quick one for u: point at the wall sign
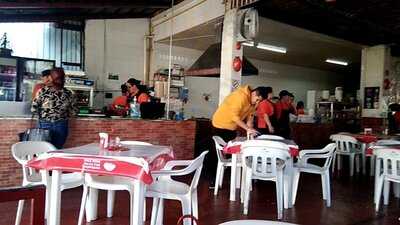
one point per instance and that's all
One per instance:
(371, 98)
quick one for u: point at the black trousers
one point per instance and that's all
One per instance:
(211, 160)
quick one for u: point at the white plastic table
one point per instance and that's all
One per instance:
(137, 163)
(235, 172)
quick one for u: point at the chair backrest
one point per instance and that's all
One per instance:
(262, 157)
(345, 143)
(134, 143)
(388, 142)
(27, 150)
(197, 166)
(327, 153)
(270, 137)
(219, 146)
(390, 160)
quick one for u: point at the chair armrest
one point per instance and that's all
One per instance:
(303, 159)
(174, 163)
(169, 171)
(310, 152)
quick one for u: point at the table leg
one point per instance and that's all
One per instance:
(55, 200)
(91, 205)
(364, 147)
(233, 178)
(377, 174)
(138, 198)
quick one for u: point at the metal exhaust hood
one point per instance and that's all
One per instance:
(209, 64)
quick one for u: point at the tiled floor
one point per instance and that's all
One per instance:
(352, 205)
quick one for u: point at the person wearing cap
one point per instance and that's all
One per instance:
(282, 111)
(135, 89)
(265, 110)
(45, 80)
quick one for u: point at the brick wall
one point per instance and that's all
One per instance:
(179, 135)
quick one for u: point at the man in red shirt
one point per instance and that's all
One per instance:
(282, 110)
(45, 80)
(265, 110)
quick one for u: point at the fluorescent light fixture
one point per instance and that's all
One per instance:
(249, 43)
(338, 62)
(271, 48)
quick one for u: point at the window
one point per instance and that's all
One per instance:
(62, 42)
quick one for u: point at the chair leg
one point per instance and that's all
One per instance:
(357, 158)
(351, 163)
(372, 164)
(379, 187)
(246, 193)
(333, 162)
(386, 191)
(296, 178)
(327, 189)
(110, 203)
(364, 163)
(279, 194)
(154, 211)
(160, 212)
(221, 177)
(186, 210)
(323, 182)
(47, 202)
(83, 205)
(217, 178)
(243, 185)
(20, 209)
(195, 205)
(238, 176)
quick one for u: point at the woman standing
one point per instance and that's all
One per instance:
(54, 105)
(135, 89)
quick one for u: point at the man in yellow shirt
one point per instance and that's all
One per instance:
(237, 110)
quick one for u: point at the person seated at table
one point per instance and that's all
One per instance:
(265, 110)
(282, 111)
(45, 80)
(300, 108)
(120, 104)
(135, 89)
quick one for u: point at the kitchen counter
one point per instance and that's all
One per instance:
(83, 130)
(312, 135)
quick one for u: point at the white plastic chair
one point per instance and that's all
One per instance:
(264, 160)
(255, 222)
(167, 188)
(269, 137)
(223, 162)
(110, 184)
(389, 160)
(373, 157)
(304, 166)
(347, 145)
(25, 151)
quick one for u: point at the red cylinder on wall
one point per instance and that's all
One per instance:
(237, 64)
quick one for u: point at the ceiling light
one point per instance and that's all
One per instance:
(271, 48)
(338, 62)
(249, 43)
